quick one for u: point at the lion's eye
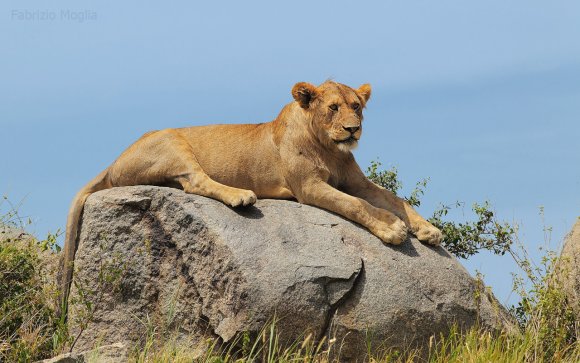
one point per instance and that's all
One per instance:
(333, 107)
(355, 106)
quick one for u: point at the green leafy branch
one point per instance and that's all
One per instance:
(462, 239)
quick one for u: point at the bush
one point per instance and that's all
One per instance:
(462, 239)
(544, 311)
(29, 329)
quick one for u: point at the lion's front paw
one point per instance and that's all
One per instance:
(241, 198)
(429, 234)
(394, 233)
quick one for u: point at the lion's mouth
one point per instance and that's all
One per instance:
(347, 141)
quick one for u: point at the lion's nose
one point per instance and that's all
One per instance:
(351, 129)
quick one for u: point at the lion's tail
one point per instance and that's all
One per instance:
(101, 182)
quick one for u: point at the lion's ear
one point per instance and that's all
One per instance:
(304, 93)
(365, 91)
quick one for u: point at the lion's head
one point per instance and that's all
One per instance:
(335, 111)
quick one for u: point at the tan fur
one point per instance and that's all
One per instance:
(303, 154)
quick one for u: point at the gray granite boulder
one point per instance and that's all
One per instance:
(194, 266)
(568, 267)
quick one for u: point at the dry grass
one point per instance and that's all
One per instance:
(472, 346)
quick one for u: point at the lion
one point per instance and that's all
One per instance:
(304, 155)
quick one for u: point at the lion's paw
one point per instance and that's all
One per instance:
(241, 198)
(429, 234)
(394, 233)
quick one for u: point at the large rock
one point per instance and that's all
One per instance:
(202, 269)
(568, 267)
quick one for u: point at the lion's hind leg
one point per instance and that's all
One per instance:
(194, 180)
(166, 158)
(201, 184)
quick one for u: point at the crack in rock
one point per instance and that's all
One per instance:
(336, 301)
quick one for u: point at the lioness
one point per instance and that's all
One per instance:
(304, 154)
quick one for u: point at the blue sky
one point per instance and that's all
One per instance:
(483, 97)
